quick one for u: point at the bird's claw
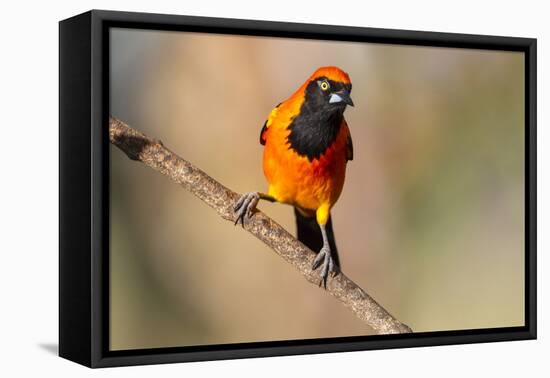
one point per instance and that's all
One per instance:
(245, 206)
(326, 262)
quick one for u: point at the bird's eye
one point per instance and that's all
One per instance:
(324, 85)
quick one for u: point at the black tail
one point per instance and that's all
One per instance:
(309, 233)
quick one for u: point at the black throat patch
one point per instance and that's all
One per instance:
(317, 125)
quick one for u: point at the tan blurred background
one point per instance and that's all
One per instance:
(430, 221)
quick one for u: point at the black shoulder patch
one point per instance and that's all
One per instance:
(264, 128)
(350, 148)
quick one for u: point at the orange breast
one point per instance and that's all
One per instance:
(296, 180)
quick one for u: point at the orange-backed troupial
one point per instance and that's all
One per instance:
(307, 146)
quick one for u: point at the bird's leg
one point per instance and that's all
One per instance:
(246, 205)
(324, 259)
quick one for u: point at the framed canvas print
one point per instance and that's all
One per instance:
(234, 188)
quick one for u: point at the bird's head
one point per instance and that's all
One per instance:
(318, 107)
(328, 90)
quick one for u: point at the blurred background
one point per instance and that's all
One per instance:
(430, 221)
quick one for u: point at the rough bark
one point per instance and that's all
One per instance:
(154, 154)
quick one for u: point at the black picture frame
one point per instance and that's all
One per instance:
(84, 187)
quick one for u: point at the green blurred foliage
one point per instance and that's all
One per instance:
(430, 221)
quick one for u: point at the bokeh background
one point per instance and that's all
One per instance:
(430, 222)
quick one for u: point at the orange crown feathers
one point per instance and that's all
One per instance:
(331, 73)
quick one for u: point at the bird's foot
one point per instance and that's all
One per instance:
(326, 262)
(245, 206)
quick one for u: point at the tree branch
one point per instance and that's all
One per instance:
(153, 154)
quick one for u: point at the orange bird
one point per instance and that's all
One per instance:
(307, 147)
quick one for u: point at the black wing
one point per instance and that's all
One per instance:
(267, 122)
(264, 128)
(349, 151)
